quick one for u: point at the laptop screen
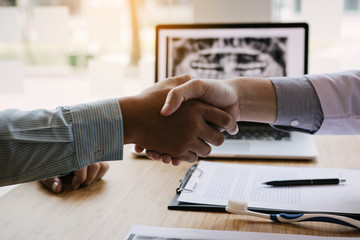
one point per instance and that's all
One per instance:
(220, 51)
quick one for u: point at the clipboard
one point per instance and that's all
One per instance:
(184, 206)
(176, 205)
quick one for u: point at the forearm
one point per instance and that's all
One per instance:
(256, 99)
(289, 104)
(40, 144)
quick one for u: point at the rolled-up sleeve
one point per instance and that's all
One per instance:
(44, 143)
(299, 108)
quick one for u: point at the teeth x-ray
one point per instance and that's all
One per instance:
(220, 58)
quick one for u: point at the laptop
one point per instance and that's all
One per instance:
(220, 51)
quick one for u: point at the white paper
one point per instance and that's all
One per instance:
(222, 181)
(138, 232)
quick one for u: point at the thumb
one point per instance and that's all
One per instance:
(190, 90)
(172, 103)
(53, 184)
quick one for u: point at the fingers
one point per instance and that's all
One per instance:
(189, 157)
(153, 155)
(176, 162)
(190, 90)
(79, 178)
(221, 120)
(138, 149)
(181, 79)
(84, 176)
(92, 172)
(104, 167)
(168, 159)
(53, 184)
(89, 174)
(164, 158)
(198, 147)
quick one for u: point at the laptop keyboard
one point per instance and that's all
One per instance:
(256, 131)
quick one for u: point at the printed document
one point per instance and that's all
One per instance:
(138, 232)
(215, 183)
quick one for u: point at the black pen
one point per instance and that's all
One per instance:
(304, 182)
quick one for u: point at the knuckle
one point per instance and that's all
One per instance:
(173, 93)
(104, 166)
(196, 83)
(192, 126)
(96, 166)
(196, 105)
(196, 126)
(193, 158)
(207, 151)
(198, 108)
(189, 157)
(81, 178)
(227, 119)
(200, 85)
(212, 111)
(187, 76)
(220, 138)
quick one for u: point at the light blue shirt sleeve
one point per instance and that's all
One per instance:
(43, 143)
(299, 108)
(339, 95)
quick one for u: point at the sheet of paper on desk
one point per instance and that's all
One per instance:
(138, 232)
(222, 181)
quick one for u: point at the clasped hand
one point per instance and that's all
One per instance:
(179, 131)
(183, 135)
(244, 99)
(217, 110)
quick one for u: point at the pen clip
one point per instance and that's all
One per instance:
(185, 180)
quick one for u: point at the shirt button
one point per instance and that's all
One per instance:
(294, 123)
(98, 154)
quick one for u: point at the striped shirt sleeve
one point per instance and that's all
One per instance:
(299, 108)
(42, 143)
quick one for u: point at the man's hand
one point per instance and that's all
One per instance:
(219, 93)
(184, 135)
(83, 177)
(245, 99)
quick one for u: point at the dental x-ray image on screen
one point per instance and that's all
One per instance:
(220, 58)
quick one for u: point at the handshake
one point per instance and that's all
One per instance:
(176, 119)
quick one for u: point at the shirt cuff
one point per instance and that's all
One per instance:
(98, 131)
(299, 108)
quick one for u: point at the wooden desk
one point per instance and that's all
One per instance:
(137, 192)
